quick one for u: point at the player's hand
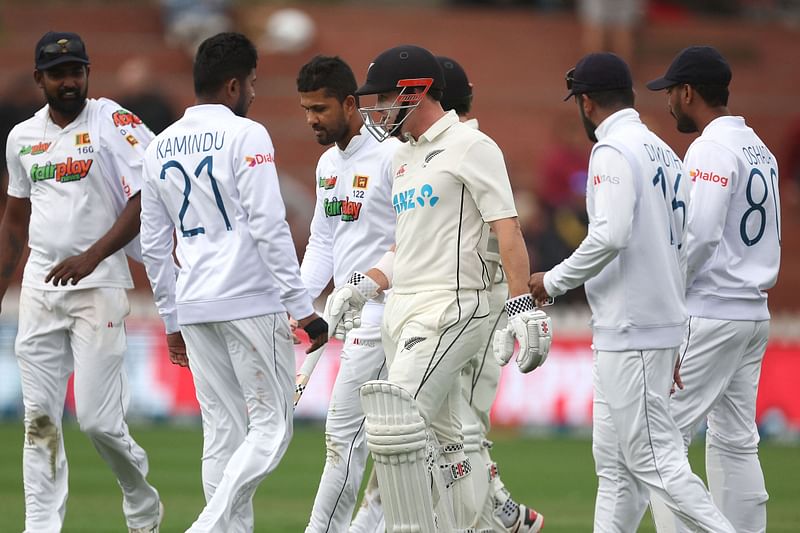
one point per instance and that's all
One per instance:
(73, 268)
(177, 349)
(539, 293)
(531, 328)
(317, 329)
(293, 328)
(676, 377)
(343, 307)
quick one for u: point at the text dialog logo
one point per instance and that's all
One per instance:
(711, 177)
(258, 159)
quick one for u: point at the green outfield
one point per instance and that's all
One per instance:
(553, 474)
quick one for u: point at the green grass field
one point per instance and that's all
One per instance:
(555, 475)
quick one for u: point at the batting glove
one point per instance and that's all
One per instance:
(343, 307)
(530, 327)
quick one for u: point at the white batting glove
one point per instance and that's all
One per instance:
(530, 327)
(343, 307)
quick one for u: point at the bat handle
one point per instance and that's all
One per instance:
(300, 387)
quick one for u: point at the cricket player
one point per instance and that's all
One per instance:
(352, 227)
(631, 264)
(482, 376)
(210, 177)
(73, 195)
(733, 247)
(449, 179)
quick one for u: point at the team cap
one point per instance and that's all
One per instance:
(458, 88)
(602, 71)
(55, 48)
(698, 65)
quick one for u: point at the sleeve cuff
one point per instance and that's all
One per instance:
(299, 306)
(550, 286)
(171, 323)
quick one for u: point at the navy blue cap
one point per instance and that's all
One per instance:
(596, 72)
(457, 85)
(55, 48)
(698, 65)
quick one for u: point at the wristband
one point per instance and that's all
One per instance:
(386, 265)
(519, 304)
(316, 327)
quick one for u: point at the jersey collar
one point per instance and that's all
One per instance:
(439, 127)
(622, 116)
(355, 143)
(722, 122)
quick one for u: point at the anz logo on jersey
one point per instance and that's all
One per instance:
(413, 199)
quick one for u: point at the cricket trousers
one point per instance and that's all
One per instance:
(720, 370)
(362, 359)
(80, 331)
(243, 374)
(637, 446)
(429, 339)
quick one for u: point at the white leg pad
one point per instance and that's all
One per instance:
(398, 440)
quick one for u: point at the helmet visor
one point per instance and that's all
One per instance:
(384, 113)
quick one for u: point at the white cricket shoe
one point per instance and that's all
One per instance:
(153, 528)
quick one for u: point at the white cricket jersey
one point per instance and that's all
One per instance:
(446, 185)
(733, 241)
(211, 177)
(353, 224)
(78, 180)
(631, 260)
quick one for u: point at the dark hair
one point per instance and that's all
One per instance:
(329, 73)
(221, 58)
(614, 98)
(713, 95)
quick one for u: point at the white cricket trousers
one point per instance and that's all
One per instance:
(637, 447)
(720, 369)
(362, 359)
(243, 374)
(81, 330)
(429, 338)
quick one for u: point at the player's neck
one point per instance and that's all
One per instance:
(709, 114)
(61, 119)
(354, 128)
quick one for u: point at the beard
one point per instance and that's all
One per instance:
(242, 105)
(587, 124)
(329, 136)
(68, 105)
(683, 122)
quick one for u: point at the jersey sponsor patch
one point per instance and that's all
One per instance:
(701, 175)
(327, 183)
(597, 179)
(410, 199)
(258, 159)
(123, 118)
(35, 149)
(360, 182)
(401, 170)
(82, 139)
(69, 170)
(347, 209)
(133, 141)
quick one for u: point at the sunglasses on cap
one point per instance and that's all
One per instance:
(61, 47)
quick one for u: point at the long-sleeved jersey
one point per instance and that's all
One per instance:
(211, 177)
(78, 180)
(353, 224)
(733, 242)
(631, 260)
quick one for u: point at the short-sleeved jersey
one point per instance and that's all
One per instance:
(733, 242)
(211, 177)
(353, 224)
(78, 179)
(631, 260)
(447, 185)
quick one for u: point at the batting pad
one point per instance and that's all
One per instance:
(398, 440)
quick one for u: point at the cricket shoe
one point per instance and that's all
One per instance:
(153, 528)
(529, 521)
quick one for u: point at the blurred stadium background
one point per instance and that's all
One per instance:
(516, 53)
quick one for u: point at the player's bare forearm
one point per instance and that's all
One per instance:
(513, 254)
(121, 233)
(13, 238)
